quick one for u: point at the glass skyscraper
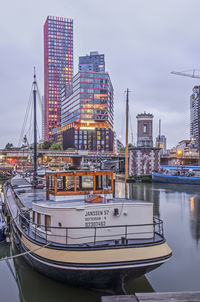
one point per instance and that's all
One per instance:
(87, 113)
(195, 116)
(58, 68)
(94, 62)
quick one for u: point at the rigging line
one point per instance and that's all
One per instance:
(38, 91)
(26, 116)
(131, 128)
(30, 125)
(25, 253)
(30, 129)
(38, 131)
(122, 118)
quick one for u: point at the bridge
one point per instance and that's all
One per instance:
(75, 158)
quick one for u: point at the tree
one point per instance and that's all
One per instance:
(46, 145)
(56, 146)
(9, 146)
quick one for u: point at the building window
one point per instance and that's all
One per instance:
(145, 128)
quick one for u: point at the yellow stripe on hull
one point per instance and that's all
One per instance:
(100, 256)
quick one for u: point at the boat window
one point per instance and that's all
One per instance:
(69, 183)
(47, 222)
(84, 182)
(33, 217)
(38, 219)
(51, 183)
(98, 182)
(107, 182)
(61, 183)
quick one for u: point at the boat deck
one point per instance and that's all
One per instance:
(25, 195)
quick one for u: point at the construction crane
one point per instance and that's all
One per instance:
(195, 76)
(186, 74)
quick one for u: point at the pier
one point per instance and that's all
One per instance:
(188, 296)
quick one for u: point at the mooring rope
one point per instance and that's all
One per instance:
(24, 253)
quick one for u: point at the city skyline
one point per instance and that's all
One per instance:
(140, 51)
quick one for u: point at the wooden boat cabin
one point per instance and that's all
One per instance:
(60, 184)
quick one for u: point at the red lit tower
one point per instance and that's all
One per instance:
(58, 68)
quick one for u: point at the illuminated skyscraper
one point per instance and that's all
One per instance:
(58, 68)
(87, 113)
(195, 116)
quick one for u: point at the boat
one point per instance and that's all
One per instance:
(75, 230)
(3, 226)
(187, 178)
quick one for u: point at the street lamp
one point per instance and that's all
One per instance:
(179, 153)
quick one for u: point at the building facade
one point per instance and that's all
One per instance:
(58, 68)
(142, 161)
(87, 113)
(144, 158)
(94, 62)
(195, 116)
(144, 130)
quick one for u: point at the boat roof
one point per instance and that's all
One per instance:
(29, 196)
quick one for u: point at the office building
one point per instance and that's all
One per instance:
(161, 143)
(195, 116)
(58, 68)
(94, 62)
(87, 113)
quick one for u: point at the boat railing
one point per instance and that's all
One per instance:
(96, 236)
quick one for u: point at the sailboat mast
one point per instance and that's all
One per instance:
(126, 154)
(35, 131)
(159, 135)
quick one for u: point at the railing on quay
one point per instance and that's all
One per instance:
(119, 235)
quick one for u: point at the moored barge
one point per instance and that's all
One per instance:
(75, 231)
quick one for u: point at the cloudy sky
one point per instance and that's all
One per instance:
(143, 41)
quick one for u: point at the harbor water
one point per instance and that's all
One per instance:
(177, 205)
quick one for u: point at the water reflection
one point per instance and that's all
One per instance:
(195, 216)
(158, 193)
(144, 192)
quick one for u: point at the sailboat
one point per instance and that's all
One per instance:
(75, 230)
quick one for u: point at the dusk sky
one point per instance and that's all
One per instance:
(143, 41)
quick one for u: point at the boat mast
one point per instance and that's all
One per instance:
(126, 154)
(159, 134)
(35, 132)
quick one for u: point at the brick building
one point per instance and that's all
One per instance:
(144, 158)
(142, 161)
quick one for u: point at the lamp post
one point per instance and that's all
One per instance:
(179, 153)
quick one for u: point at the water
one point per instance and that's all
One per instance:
(178, 206)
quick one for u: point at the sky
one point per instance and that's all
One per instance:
(143, 41)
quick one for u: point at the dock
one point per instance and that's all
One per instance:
(189, 296)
